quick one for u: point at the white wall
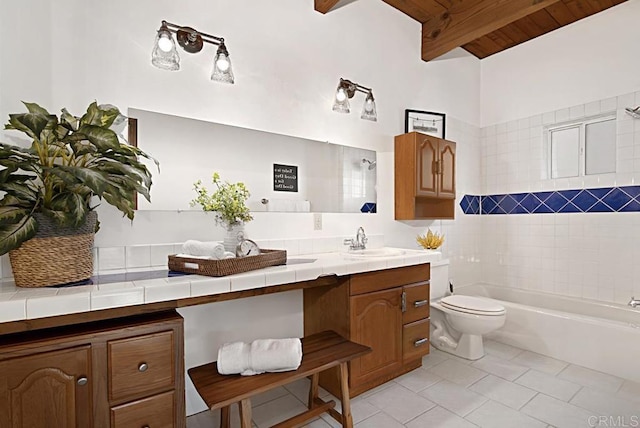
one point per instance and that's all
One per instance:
(578, 71)
(589, 60)
(287, 61)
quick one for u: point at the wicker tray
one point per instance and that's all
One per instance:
(227, 266)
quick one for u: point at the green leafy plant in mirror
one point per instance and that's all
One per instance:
(70, 160)
(228, 201)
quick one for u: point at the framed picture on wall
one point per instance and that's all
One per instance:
(426, 122)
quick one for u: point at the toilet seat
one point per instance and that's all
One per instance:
(472, 305)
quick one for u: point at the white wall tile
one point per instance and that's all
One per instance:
(111, 258)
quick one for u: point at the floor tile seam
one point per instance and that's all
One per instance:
(524, 373)
(475, 382)
(575, 394)
(516, 384)
(416, 417)
(425, 388)
(276, 398)
(594, 411)
(536, 418)
(511, 408)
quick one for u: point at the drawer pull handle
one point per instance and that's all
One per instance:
(82, 381)
(403, 302)
(143, 367)
(420, 303)
(420, 342)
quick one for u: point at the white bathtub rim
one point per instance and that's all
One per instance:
(553, 312)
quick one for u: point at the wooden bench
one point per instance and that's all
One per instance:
(320, 352)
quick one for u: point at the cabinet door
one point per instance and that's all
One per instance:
(426, 166)
(447, 170)
(47, 390)
(376, 321)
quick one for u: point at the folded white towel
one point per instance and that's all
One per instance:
(262, 355)
(229, 255)
(214, 250)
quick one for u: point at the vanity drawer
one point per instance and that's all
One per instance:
(152, 412)
(415, 340)
(141, 365)
(367, 282)
(416, 302)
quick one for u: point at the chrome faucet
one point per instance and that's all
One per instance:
(360, 243)
(633, 302)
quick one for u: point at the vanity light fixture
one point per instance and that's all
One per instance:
(165, 55)
(347, 89)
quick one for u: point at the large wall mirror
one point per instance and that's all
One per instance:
(283, 173)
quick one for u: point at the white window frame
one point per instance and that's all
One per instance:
(582, 126)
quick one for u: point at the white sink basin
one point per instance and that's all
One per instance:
(375, 252)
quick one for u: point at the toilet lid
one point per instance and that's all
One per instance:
(472, 305)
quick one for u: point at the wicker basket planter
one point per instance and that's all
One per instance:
(55, 255)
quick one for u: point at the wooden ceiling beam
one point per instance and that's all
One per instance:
(419, 10)
(324, 6)
(467, 20)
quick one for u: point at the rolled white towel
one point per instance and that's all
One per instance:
(263, 355)
(229, 255)
(191, 256)
(233, 358)
(275, 355)
(214, 250)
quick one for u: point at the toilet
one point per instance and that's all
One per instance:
(458, 322)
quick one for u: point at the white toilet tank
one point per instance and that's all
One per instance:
(439, 279)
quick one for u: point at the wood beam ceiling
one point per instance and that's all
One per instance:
(485, 27)
(324, 6)
(465, 21)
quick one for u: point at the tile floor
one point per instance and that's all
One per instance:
(507, 388)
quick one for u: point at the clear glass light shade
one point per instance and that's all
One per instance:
(165, 54)
(222, 70)
(369, 109)
(341, 103)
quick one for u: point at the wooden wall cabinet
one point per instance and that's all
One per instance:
(425, 186)
(387, 310)
(111, 374)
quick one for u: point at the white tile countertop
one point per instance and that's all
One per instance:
(18, 303)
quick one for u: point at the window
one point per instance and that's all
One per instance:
(583, 148)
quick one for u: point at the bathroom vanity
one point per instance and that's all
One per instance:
(387, 310)
(123, 365)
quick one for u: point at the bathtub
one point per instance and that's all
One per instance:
(600, 336)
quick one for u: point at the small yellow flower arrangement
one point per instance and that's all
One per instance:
(228, 201)
(431, 240)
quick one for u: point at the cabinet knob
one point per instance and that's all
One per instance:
(82, 381)
(143, 367)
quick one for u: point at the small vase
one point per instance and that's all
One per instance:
(235, 234)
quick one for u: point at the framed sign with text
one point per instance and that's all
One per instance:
(285, 178)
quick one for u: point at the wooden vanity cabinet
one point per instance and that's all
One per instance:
(387, 310)
(110, 374)
(425, 184)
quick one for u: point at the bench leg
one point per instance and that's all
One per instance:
(245, 413)
(225, 417)
(313, 390)
(347, 420)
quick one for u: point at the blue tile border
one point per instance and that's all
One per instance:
(601, 199)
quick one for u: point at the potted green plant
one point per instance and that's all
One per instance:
(47, 221)
(228, 201)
